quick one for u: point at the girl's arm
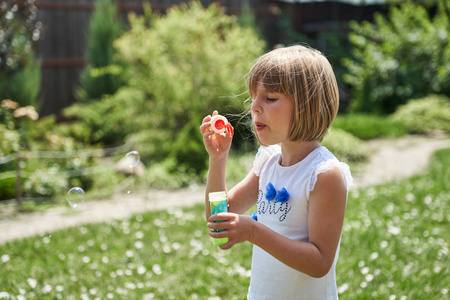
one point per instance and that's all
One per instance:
(217, 146)
(326, 214)
(244, 195)
(240, 198)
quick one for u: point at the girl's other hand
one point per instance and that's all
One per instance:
(217, 145)
(237, 228)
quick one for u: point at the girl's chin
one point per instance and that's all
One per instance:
(266, 141)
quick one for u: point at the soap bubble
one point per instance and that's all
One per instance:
(133, 158)
(75, 196)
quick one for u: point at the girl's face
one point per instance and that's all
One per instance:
(271, 115)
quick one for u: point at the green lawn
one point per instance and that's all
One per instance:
(394, 246)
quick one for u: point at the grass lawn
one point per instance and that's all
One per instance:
(395, 245)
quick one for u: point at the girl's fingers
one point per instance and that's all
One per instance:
(227, 245)
(218, 234)
(218, 225)
(206, 119)
(221, 217)
(205, 128)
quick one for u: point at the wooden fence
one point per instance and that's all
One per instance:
(62, 48)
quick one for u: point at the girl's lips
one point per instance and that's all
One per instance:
(259, 126)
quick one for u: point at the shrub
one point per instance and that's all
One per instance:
(16, 132)
(160, 175)
(9, 141)
(50, 162)
(125, 110)
(188, 149)
(185, 64)
(23, 84)
(425, 114)
(398, 57)
(369, 126)
(345, 146)
(56, 164)
(9, 144)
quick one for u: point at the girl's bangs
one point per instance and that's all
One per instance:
(270, 75)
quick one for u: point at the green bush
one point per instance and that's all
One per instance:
(369, 126)
(184, 65)
(50, 163)
(102, 75)
(9, 141)
(22, 85)
(59, 163)
(345, 146)
(16, 133)
(188, 149)
(9, 144)
(425, 114)
(161, 175)
(45, 183)
(398, 57)
(125, 111)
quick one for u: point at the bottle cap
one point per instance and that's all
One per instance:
(217, 196)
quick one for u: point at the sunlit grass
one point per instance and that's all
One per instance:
(369, 126)
(161, 255)
(394, 246)
(395, 241)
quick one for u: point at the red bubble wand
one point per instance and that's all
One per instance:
(219, 124)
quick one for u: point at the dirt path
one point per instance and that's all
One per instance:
(390, 159)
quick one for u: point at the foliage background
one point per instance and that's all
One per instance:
(182, 66)
(401, 56)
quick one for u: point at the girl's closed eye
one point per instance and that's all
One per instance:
(272, 96)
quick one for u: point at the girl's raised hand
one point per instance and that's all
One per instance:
(217, 144)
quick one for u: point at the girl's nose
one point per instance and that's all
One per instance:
(256, 107)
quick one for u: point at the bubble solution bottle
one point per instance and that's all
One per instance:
(218, 203)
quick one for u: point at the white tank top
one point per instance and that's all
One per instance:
(282, 206)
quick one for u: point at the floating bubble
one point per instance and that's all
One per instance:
(133, 158)
(75, 196)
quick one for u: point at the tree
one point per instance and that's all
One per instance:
(102, 75)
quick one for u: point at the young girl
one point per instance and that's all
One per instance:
(299, 187)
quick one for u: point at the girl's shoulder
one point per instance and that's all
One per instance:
(327, 161)
(263, 155)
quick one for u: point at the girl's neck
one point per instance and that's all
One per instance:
(294, 152)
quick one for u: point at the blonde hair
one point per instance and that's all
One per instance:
(305, 75)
